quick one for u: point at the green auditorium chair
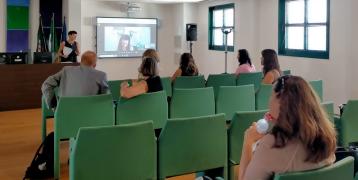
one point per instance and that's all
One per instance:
(167, 85)
(343, 169)
(186, 82)
(217, 80)
(45, 114)
(115, 87)
(119, 152)
(349, 123)
(254, 78)
(192, 145)
(262, 96)
(318, 88)
(235, 98)
(240, 122)
(328, 106)
(148, 106)
(192, 102)
(73, 113)
(286, 72)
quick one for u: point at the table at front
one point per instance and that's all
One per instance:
(20, 85)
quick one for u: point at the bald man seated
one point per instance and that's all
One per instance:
(83, 80)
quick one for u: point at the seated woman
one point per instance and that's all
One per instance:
(302, 138)
(149, 80)
(245, 65)
(187, 67)
(270, 67)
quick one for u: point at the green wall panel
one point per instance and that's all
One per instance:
(17, 17)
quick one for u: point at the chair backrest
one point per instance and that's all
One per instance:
(115, 88)
(192, 145)
(239, 124)
(263, 96)
(148, 106)
(286, 72)
(254, 78)
(46, 112)
(167, 85)
(328, 106)
(343, 169)
(75, 112)
(185, 82)
(117, 152)
(217, 80)
(349, 123)
(235, 98)
(318, 87)
(192, 102)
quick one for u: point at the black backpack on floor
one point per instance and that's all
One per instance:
(42, 165)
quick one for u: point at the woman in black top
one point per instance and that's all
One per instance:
(149, 80)
(69, 49)
(187, 67)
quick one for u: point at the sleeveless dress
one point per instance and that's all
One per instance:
(72, 57)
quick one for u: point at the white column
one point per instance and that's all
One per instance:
(3, 25)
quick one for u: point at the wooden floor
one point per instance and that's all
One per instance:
(20, 136)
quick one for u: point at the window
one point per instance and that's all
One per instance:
(221, 18)
(304, 28)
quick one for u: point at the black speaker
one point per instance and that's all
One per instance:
(191, 32)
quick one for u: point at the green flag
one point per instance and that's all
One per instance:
(41, 41)
(53, 44)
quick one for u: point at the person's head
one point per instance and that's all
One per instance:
(72, 35)
(187, 64)
(149, 67)
(124, 42)
(243, 57)
(269, 61)
(151, 53)
(89, 58)
(297, 113)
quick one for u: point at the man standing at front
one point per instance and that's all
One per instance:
(83, 80)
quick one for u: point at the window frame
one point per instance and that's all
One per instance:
(211, 27)
(282, 50)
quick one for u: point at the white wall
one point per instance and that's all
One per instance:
(2, 25)
(34, 24)
(245, 34)
(334, 72)
(128, 67)
(354, 55)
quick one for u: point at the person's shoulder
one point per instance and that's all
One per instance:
(98, 72)
(268, 140)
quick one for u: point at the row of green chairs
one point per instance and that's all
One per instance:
(188, 82)
(132, 152)
(184, 146)
(228, 100)
(185, 103)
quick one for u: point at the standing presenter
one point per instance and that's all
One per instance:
(69, 49)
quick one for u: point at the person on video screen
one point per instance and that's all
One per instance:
(124, 43)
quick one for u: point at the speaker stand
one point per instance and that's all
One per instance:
(226, 32)
(191, 47)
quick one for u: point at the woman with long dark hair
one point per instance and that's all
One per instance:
(245, 65)
(302, 137)
(270, 66)
(187, 67)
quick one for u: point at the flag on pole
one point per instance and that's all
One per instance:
(64, 30)
(41, 41)
(52, 40)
